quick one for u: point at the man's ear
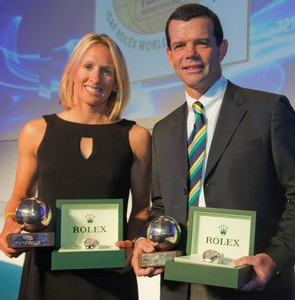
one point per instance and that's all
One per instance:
(168, 52)
(223, 50)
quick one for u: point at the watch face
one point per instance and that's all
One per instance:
(90, 243)
(210, 256)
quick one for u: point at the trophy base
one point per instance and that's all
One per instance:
(157, 259)
(31, 240)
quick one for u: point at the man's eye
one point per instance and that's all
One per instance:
(204, 44)
(178, 46)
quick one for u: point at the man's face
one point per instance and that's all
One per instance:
(194, 54)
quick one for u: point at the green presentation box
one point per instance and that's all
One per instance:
(229, 232)
(86, 232)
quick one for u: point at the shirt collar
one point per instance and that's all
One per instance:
(215, 93)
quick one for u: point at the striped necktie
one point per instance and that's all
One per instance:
(196, 154)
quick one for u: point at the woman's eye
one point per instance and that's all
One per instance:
(107, 71)
(88, 67)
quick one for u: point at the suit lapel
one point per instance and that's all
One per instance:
(230, 116)
(178, 132)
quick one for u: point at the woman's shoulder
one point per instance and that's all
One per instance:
(140, 139)
(34, 125)
(33, 130)
(140, 131)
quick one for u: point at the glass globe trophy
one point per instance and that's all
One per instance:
(35, 215)
(165, 231)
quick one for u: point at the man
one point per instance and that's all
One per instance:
(249, 160)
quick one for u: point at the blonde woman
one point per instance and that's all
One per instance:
(87, 151)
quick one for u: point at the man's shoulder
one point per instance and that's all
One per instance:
(254, 98)
(249, 92)
(174, 116)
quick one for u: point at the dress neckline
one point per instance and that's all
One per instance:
(71, 122)
(87, 130)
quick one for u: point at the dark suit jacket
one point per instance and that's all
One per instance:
(251, 166)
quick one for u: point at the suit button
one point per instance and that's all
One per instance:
(185, 191)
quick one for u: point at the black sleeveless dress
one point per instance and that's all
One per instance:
(65, 174)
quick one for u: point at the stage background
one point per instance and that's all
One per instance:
(37, 37)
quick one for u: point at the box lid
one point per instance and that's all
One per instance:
(228, 231)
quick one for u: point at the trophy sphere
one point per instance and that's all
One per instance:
(34, 213)
(165, 231)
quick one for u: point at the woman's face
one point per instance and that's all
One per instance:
(95, 77)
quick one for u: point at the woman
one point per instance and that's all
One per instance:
(87, 151)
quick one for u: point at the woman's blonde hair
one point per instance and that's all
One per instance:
(119, 98)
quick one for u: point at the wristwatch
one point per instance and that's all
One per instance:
(90, 243)
(210, 256)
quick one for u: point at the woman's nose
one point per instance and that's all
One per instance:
(94, 76)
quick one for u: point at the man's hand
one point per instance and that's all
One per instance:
(264, 268)
(144, 246)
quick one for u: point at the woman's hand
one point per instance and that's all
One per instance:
(10, 227)
(128, 246)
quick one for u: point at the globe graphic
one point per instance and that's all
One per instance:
(145, 16)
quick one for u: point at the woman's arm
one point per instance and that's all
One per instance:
(25, 180)
(140, 141)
